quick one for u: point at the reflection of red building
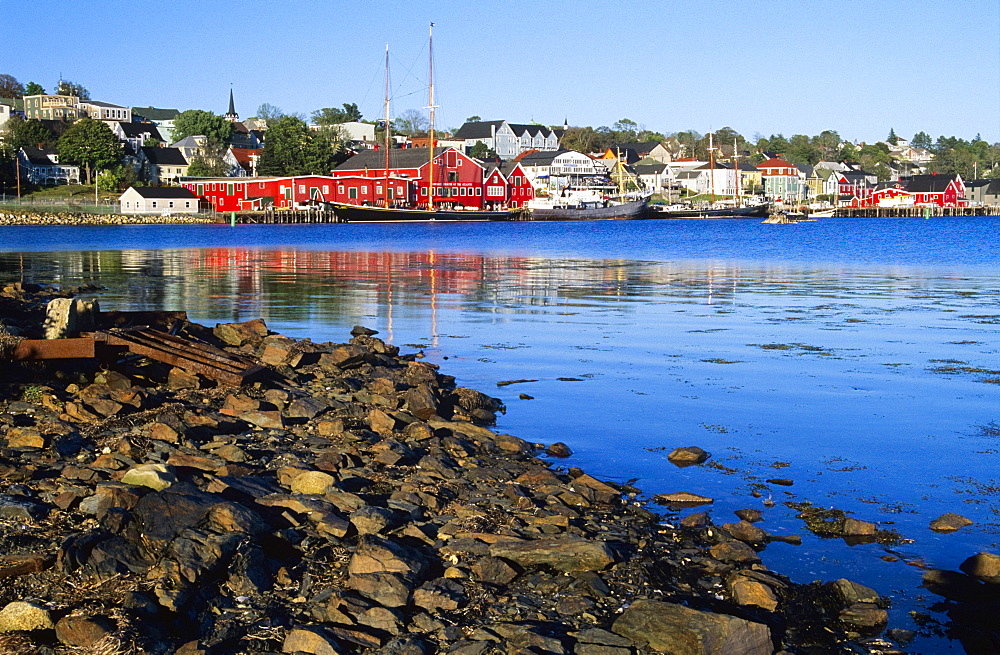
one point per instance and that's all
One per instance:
(459, 180)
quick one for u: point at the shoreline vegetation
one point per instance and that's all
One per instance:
(353, 499)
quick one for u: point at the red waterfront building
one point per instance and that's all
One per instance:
(459, 180)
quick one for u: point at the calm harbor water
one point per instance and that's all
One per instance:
(858, 358)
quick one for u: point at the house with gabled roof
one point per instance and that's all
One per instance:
(936, 190)
(782, 180)
(163, 165)
(559, 167)
(163, 119)
(136, 134)
(41, 166)
(105, 111)
(508, 140)
(158, 200)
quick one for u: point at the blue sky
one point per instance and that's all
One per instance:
(789, 66)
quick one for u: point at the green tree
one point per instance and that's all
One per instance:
(210, 162)
(90, 144)
(18, 133)
(412, 122)
(116, 179)
(802, 150)
(580, 139)
(892, 139)
(195, 122)
(481, 151)
(34, 89)
(67, 88)
(269, 112)
(293, 149)
(828, 144)
(334, 116)
(474, 119)
(10, 87)
(922, 140)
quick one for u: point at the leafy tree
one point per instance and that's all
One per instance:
(776, 143)
(34, 89)
(293, 149)
(828, 144)
(269, 112)
(195, 122)
(481, 151)
(10, 87)
(67, 88)
(474, 119)
(412, 122)
(625, 130)
(210, 162)
(802, 150)
(32, 133)
(922, 140)
(648, 136)
(581, 139)
(117, 178)
(334, 116)
(90, 144)
(892, 139)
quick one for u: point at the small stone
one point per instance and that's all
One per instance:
(312, 482)
(360, 330)
(163, 432)
(747, 591)
(178, 379)
(682, 499)
(21, 615)
(746, 532)
(856, 528)
(559, 449)
(784, 482)
(568, 553)
(687, 456)
(866, 618)
(949, 522)
(852, 592)
(25, 438)
(306, 408)
(750, 515)
(81, 631)
(264, 419)
(311, 641)
(238, 334)
(983, 566)
(494, 570)
(734, 551)
(155, 476)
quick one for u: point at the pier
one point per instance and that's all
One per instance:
(914, 212)
(281, 217)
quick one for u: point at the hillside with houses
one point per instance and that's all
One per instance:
(163, 160)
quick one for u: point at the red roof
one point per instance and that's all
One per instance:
(244, 156)
(776, 163)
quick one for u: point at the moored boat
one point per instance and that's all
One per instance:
(362, 214)
(627, 210)
(757, 211)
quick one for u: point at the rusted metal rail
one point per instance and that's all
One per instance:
(192, 356)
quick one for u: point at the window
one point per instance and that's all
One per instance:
(378, 190)
(352, 193)
(326, 189)
(340, 189)
(454, 192)
(187, 204)
(260, 185)
(423, 191)
(201, 190)
(461, 191)
(170, 204)
(364, 190)
(494, 191)
(399, 190)
(229, 188)
(302, 188)
(479, 192)
(453, 176)
(154, 204)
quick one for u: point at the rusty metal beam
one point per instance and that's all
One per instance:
(199, 358)
(34, 349)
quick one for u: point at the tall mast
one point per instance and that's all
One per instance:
(736, 168)
(430, 106)
(387, 136)
(711, 166)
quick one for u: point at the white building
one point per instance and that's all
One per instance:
(508, 140)
(559, 168)
(158, 200)
(104, 111)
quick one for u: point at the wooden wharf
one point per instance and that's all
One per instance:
(914, 212)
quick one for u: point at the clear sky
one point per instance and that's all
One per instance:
(859, 67)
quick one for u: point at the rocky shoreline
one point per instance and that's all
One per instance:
(353, 500)
(34, 217)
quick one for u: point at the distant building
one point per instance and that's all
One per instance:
(782, 181)
(42, 167)
(163, 119)
(559, 168)
(508, 140)
(158, 200)
(936, 190)
(104, 111)
(163, 165)
(136, 134)
(353, 131)
(52, 107)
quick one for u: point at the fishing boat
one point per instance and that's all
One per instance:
(390, 209)
(754, 211)
(633, 209)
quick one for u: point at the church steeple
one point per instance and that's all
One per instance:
(231, 115)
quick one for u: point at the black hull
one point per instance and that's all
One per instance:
(761, 211)
(629, 210)
(359, 214)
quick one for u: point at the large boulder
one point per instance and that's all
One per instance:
(680, 630)
(562, 553)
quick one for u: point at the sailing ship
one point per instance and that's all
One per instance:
(389, 209)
